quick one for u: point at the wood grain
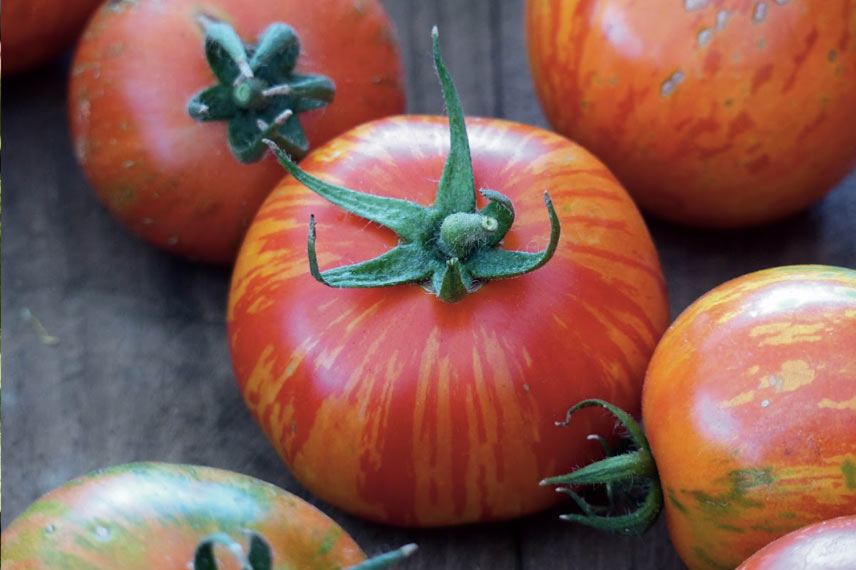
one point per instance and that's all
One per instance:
(141, 368)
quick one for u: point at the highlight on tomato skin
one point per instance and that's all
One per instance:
(441, 412)
(173, 517)
(827, 545)
(748, 405)
(167, 131)
(721, 114)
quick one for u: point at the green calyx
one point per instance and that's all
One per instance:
(258, 92)
(450, 246)
(632, 471)
(260, 557)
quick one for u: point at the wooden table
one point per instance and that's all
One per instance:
(136, 366)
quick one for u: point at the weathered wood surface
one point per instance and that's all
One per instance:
(141, 369)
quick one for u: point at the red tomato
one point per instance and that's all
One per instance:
(173, 180)
(827, 545)
(402, 408)
(36, 30)
(154, 515)
(721, 113)
(750, 409)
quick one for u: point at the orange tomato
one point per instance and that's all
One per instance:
(750, 410)
(141, 516)
(173, 180)
(402, 408)
(717, 113)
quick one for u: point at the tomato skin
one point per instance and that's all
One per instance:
(827, 545)
(152, 515)
(750, 410)
(398, 407)
(36, 30)
(173, 180)
(756, 125)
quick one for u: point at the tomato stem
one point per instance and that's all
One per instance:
(260, 556)
(632, 469)
(386, 559)
(257, 90)
(450, 246)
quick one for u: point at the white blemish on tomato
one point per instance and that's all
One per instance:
(704, 37)
(721, 19)
(760, 12)
(669, 85)
(765, 403)
(692, 5)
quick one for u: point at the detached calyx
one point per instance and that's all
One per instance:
(450, 246)
(258, 92)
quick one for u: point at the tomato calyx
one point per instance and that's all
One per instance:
(259, 556)
(258, 92)
(633, 470)
(449, 247)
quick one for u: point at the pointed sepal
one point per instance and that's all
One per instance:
(405, 263)
(500, 209)
(502, 263)
(212, 104)
(453, 282)
(407, 219)
(633, 469)
(456, 191)
(276, 52)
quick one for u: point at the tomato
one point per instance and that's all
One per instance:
(827, 545)
(160, 515)
(758, 379)
(403, 408)
(719, 114)
(173, 179)
(37, 30)
(749, 406)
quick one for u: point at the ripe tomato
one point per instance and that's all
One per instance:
(157, 515)
(750, 410)
(719, 114)
(173, 180)
(406, 409)
(36, 30)
(749, 406)
(827, 545)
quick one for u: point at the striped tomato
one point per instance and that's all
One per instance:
(169, 132)
(720, 113)
(827, 545)
(399, 406)
(750, 411)
(141, 516)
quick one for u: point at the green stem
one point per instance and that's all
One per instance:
(450, 245)
(386, 559)
(260, 556)
(632, 469)
(260, 95)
